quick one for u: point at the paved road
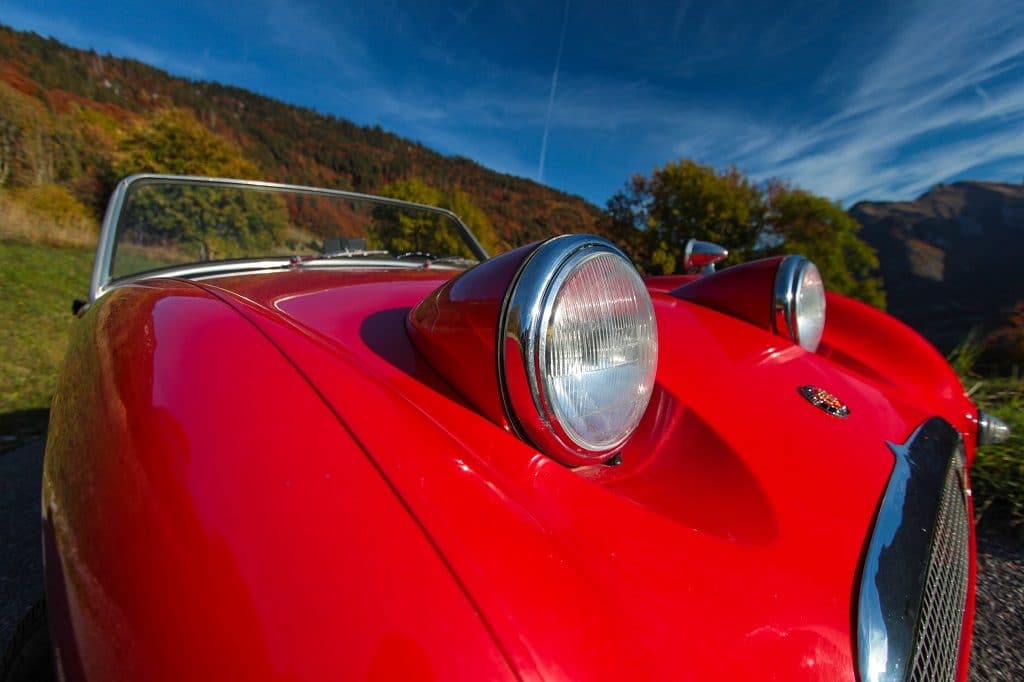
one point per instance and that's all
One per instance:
(998, 651)
(21, 562)
(999, 631)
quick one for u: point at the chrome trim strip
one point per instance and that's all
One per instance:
(898, 555)
(210, 269)
(372, 263)
(207, 269)
(105, 245)
(101, 279)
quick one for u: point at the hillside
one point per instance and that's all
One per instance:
(952, 258)
(73, 121)
(63, 111)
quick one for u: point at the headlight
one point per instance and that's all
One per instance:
(799, 302)
(578, 349)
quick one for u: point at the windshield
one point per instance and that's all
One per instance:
(160, 222)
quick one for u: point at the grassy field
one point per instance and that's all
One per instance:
(998, 473)
(38, 284)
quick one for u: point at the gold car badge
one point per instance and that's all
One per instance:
(825, 401)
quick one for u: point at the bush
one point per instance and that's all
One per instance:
(997, 476)
(46, 214)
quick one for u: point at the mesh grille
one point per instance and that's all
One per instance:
(945, 589)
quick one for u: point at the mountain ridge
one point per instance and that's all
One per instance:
(951, 259)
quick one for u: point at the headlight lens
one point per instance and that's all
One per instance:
(579, 349)
(799, 302)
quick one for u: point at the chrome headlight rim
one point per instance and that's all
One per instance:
(525, 314)
(789, 279)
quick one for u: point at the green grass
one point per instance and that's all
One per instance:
(132, 259)
(997, 476)
(38, 284)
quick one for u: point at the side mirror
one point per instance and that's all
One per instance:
(700, 257)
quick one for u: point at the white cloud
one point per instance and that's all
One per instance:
(940, 95)
(921, 90)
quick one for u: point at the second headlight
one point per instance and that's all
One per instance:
(799, 302)
(578, 349)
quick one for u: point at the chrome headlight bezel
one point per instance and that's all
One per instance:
(523, 332)
(797, 278)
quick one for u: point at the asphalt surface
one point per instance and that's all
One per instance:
(21, 560)
(998, 652)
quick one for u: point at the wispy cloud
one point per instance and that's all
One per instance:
(944, 97)
(938, 96)
(922, 93)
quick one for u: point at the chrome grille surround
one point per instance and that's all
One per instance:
(916, 572)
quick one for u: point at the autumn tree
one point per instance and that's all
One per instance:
(174, 141)
(462, 205)
(36, 147)
(406, 230)
(217, 223)
(654, 217)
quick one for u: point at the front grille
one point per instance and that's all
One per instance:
(917, 568)
(945, 588)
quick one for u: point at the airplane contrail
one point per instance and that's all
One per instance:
(551, 97)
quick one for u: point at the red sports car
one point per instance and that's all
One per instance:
(396, 458)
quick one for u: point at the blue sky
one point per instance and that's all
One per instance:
(852, 100)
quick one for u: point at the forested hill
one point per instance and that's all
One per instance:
(64, 111)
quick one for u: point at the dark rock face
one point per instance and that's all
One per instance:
(953, 259)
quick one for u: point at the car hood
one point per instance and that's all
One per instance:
(727, 543)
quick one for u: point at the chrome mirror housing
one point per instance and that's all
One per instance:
(700, 257)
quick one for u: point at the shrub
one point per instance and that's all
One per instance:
(46, 214)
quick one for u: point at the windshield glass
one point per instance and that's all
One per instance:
(167, 222)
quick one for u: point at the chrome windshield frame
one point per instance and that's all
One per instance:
(101, 281)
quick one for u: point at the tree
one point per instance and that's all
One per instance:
(200, 223)
(406, 230)
(655, 217)
(812, 226)
(36, 147)
(460, 203)
(210, 223)
(174, 141)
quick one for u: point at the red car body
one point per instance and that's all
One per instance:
(298, 475)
